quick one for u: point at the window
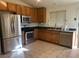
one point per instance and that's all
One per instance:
(58, 19)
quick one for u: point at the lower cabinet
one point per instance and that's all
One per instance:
(55, 36)
(58, 37)
(35, 34)
(50, 36)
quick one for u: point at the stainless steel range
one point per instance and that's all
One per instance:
(29, 35)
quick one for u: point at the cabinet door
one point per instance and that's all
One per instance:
(48, 36)
(36, 34)
(41, 14)
(55, 37)
(24, 10)
(12, 7)
(34, 15)
(19, 11)
(29, 11)
(3, 5)
(41, 34)
(44, 35)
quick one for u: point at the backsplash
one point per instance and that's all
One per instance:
(29, 24)
(44, 25)
(47, 25)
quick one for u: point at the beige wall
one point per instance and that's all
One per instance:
(17, 2)
(71, 13)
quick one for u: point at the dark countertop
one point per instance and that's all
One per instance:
(26, 29)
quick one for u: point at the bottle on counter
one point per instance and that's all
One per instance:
(65, 29)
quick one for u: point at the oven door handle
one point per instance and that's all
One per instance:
(30, 32)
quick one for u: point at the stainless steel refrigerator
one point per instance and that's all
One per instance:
(10, 32)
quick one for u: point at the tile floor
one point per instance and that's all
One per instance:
(41, 49)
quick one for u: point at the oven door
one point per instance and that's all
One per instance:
(29, 37)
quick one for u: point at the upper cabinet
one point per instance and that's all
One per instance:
(3, 5)
(41, 14)
(19, 10)
(38, 14)
(34, 15)
(24, 9)
(27, 11)
(11, 7)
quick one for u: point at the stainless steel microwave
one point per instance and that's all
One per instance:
(26, 19)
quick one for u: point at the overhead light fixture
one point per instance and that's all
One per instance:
(38, 0)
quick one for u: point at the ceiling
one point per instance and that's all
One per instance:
(50, 3)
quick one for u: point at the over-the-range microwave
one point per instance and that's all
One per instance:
(26, 19)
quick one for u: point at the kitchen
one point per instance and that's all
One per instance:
(49, 25)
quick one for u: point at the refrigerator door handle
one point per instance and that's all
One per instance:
(13, 26)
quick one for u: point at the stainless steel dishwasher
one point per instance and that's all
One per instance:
(66, 39)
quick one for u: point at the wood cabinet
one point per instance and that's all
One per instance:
(35, 34)
(38, 14)
(12, 7)
(41, 15)
(34, 15)
(23, 8)
(41, 34)
(58, 37)
(55, 36)
(19, 11)
(50, 36)
(3, 6)
(27, 11)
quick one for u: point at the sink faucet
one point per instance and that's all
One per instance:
(66, 28)
(55, 25)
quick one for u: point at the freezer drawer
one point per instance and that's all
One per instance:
(12, 43)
